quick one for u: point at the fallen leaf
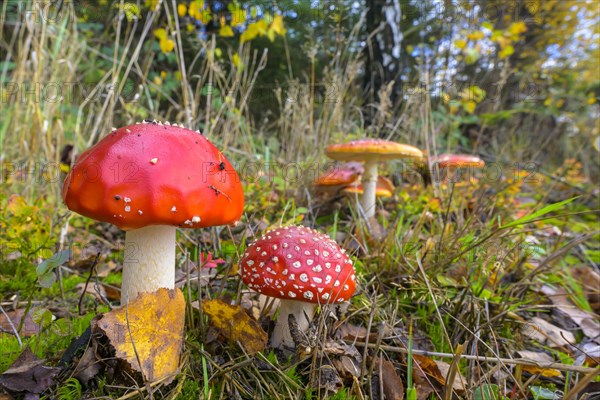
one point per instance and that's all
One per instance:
(28, 374)
(347, 367)
(235, 325)
(426, 375)
(326, 379)
(355, 332)
(393, 387)
(30, 327)
(547, 333)
(588, 323)
(153, 323)
(88, 366)
(458, 384)
(540, 358)
(430, 367)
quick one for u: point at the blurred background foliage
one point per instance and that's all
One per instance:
(515, 81)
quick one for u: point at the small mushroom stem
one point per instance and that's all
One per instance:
(149, 261)
(369, 182)
(303, 313)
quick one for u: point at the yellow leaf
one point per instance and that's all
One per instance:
(277, 25)
(205, 16)
(506, 52)
(469, 106)
(477, 35)
(157, 80)
(238, 14)
(160, 33)
(166, 45)
(250, 33)
(190, 27)
(226, 31)
(153, 322)
(218, 52)
(545, 372)
(235, 325)
(460, 43)
(181, 10)
(487, 25)
(235, 59)
(516, 28)
(194, 10)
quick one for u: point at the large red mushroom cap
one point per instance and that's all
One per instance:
(298, 263)
(155, 174)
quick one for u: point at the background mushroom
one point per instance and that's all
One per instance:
(371, 151)
(447, 165)
(301, 267)
(149, 179)
(384, 188)
(338, 177)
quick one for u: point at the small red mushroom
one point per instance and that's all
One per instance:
(303, 268)
(371, 151)
(449, 163)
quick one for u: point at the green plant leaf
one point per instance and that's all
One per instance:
(543, 211)
(45, 269)
(486, 392)
(542, 393)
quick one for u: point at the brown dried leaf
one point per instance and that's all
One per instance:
(459, 381)
(28, 374)
(347, 367)
(393, 387)
(153, 323)
(588, 323)
(88, 366)
(235, 325)
(546, 333)
(355, 332)
(425, 375)
(29, 328)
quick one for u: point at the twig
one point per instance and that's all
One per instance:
(13, 326)
(87, 283)
(513, 361)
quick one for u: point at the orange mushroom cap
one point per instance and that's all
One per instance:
(384, 188)
(344, 174)
(458, 161)
(155, 174)
(363, 149)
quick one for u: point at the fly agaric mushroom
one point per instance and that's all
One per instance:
(149, 179)
(451, 162)
(301, 267)
(371, 151)
(384, 188)
(344, 174)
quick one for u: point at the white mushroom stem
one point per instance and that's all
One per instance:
(369, 183)
(302, 311)
(149, 261)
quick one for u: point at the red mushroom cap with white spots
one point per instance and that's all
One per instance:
(155, 174)
(299, 263)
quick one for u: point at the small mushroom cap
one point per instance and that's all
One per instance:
(298, 263)
(363, 149)
(154, 174)
(344, 174)
(384, 188)
(458, 161)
